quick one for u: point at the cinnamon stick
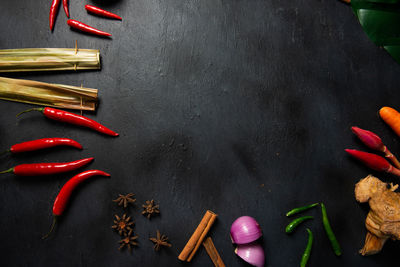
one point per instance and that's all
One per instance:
(198, 236)
(213, 253)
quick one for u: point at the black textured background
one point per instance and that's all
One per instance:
(241, 107)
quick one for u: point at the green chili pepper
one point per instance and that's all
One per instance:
(291, 226)
(335, 244)
(307, 251)
(300, 209)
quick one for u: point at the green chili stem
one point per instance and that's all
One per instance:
(7, 171)
(29, 110)
(300, 209)
(328, 229)
(4, 152)
(53, 224)
(293, 224)
(307, 251)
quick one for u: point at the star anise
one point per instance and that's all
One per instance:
(150, 208)
(122, 224)
(161, 240)
(128, 241)
(124, 200)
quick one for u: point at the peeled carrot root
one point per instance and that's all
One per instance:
(391, 117)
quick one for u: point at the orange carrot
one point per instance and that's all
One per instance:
(391, 117)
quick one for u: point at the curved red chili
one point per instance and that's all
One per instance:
(101, 12)
(53, 12)
(63, 196)
(36, 169)
(42, 144)
(72, 118)
(66, 9)
(66, 191)
(86, 28)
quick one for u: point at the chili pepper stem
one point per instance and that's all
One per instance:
(4, 152)
(7, 171)
(391, 157)
(29, 110)
(53, 224)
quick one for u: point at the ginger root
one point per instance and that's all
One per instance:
(383, 219)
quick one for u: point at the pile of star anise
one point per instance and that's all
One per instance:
(123, 224)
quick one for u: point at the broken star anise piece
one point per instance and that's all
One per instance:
(161, 240)
(128, 241)
(124, 200)
(150, 208)
(122, 224)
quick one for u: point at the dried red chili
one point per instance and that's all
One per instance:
(42, 144)
(68, 117)
(86, 28)
(65, 5)
(102, 12)
(53, 12)
(66, 191)
(36, 169)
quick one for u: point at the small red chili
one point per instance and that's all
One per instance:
(42, 144)
(66, 191)
(53, 12)
(37, 169)
(65, 5)
(72, 118)
(101, 12)
(86, 28)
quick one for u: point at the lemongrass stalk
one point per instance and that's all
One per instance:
(48, 59)
(46, 94)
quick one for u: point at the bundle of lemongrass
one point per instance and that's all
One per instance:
(48, 59)
(46, 94)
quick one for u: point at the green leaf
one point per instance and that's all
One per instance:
(380, 20)
(394, 51)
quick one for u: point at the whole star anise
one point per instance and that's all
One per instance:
(122, 224)
(128, 241)
(124, 200)
(160, 240)
(150, 208)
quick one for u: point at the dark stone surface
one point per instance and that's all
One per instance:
(241, 107)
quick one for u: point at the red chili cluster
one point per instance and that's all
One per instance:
(77, 24)
(38, 169)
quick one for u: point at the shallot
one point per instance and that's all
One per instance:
(245, 230)
(252, 253)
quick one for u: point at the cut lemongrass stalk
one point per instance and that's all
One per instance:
(46, 94)
(48, 59)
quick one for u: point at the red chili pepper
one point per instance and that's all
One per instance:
(86, 28)
(72, 118)
(65, 5)
(42, 144)
(373, 161)
(101, 12)
(53, 12)
(65, 193)
(36, 169)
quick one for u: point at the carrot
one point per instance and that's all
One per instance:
(391, 117)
